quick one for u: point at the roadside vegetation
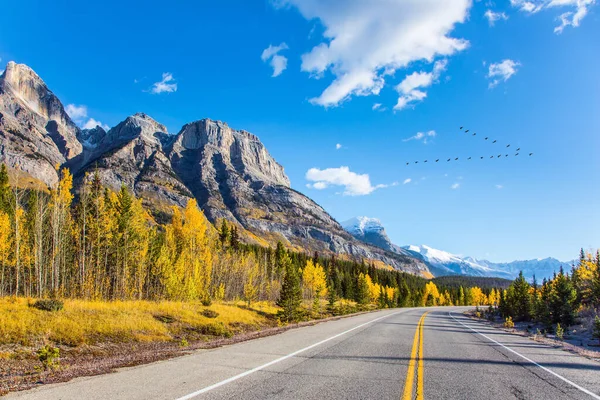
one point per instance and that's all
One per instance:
(95, 277)
(566, 307)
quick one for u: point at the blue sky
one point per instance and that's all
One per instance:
(432, 65)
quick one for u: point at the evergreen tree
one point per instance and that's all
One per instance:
(234, 238)
(331, 297)
(290, 297)
(518, 299)
(362, 290)
(224, 232)
(563, 300)
(596, 331)
(596, 283)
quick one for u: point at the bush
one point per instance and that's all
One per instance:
(49, 357)
(508, 323)
(184, 343)
(48, 305)
(210, 313)
(560, 332)
(206, 302)
(596, 332)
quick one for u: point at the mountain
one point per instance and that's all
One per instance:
(229, 172)
(442, 263)
(36, 134)
(370, 230)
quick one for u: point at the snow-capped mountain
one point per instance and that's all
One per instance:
(444, 263)
(370, 230)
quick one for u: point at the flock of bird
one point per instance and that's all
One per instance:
(482, 157)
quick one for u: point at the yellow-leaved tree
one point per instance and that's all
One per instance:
(314, 281)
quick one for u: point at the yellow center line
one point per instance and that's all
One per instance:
(417, 351)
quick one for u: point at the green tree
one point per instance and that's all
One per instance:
(563, 300)
(224, 232)
(596, 332)
(290, 297)
(518, 299)
(362, 290)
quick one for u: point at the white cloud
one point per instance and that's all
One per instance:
(92, 123)
(455, 186)
(407, 181)
(365, 41)
(499, 186)
(421, 136)
(278, 62)
(166, 85)
(79, 114)
(410, 88)
(502, 71)
(76, 113)
(338, 146)
(492, 16)
(579, 9)
(354, 184)
(376, 106)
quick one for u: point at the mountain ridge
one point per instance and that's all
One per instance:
(229, 172)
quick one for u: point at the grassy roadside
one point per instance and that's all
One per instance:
(94, 337)
(577, 339)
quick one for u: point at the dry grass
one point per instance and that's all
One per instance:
(93, 322)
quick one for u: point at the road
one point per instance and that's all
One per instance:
(422, 353)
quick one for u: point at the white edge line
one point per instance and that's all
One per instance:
(253, 370)
(584, 390)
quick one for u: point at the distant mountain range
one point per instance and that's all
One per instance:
(442, 263)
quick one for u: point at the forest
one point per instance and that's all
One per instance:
(566, 299)
(106, 246)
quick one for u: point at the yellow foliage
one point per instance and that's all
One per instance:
(92, 322)
(314, 280)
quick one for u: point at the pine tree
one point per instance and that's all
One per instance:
(518, 299)
(331, 297)
(596, 282)
(563, 300)
(362, 290)
(290, 297)
(224, 233)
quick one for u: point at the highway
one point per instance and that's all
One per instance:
(412, 353)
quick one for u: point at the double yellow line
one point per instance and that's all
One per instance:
(416, 362)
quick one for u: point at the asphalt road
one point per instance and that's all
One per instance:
(383, 355)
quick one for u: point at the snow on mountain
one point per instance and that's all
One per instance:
(445, 263)
(362, 225)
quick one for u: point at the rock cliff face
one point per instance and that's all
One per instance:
(36, 133)
(229, 172)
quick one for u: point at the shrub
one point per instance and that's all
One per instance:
(560, 332)
(48, 305)
(206, 301)
(49, 357)
(210, 313)
(184, 343)
(508, 323)
(596, 331)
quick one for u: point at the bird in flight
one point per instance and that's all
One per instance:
(406, 163)
(486, 138)
(437, 160)
(448, 159)
(494, 141)
(507, 146)
(461, 127)
(456, 159)
(467, 131)
(530, 154)
(416, 162)
(518, 149)
(482, 157)
(506, 155)
(469, 158)
(499, 155)
(474, 134)
(425, 161)
(517, 154)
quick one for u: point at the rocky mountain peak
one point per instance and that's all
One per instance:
(241, 150)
